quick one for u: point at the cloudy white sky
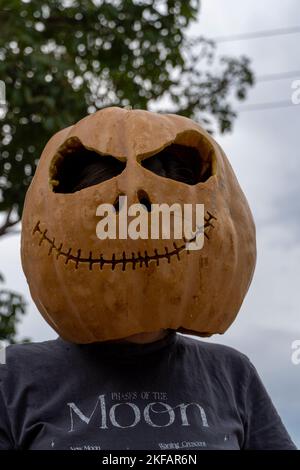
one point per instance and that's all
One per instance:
(264, 151)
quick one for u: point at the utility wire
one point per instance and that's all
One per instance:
(258, 34)
(274, 104)
(265, 106)
(277, 76)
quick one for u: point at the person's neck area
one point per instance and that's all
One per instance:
(143, 338)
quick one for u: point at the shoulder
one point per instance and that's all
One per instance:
(217, 356)
(211, 348)
(17, 352)
(30, 357)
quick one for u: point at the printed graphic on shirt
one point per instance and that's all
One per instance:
(127, 414)
(138, 418)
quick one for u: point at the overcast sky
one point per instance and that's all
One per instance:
(264, 152)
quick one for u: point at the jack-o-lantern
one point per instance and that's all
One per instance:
(91, 290)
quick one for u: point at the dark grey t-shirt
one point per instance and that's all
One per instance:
(175, 393)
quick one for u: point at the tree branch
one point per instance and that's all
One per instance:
(8, 223)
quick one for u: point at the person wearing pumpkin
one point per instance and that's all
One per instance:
(121, 375)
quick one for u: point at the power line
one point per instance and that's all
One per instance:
(278, 76)
(265, 106)
(258, 34)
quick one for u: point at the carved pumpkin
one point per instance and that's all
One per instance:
(95, 290)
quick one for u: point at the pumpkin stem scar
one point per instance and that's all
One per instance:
(124, 261)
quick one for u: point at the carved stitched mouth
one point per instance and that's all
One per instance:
(135, 259)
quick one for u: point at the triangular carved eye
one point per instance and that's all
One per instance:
(75, 167)
(180, 163)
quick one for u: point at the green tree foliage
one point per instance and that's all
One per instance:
(12, 307)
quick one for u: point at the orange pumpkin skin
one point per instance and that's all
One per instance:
(84, 299)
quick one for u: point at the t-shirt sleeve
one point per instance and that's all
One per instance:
(264, 429)
(6, 442)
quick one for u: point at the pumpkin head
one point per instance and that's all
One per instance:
(91, 290)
